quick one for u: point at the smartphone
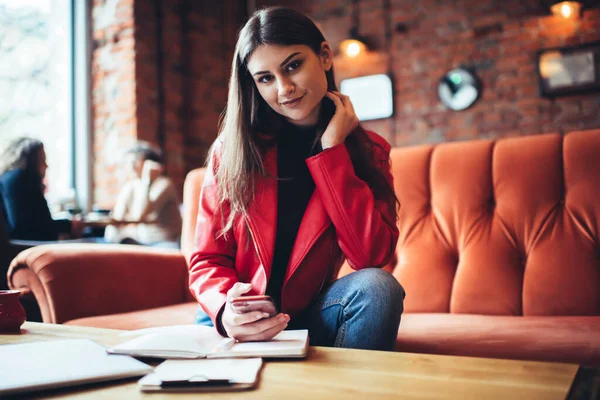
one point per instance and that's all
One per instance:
(246, 304)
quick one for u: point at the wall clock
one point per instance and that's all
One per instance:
(459, 89)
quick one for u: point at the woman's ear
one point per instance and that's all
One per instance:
(326, 56)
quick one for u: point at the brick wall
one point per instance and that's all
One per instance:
(499, 38)
(160, 73)
(169, 85)
(113, 93)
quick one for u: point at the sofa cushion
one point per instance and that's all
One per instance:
(507, 227)
(561, 339)
(177, 314)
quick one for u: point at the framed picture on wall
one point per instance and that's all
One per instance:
(371, 96)
(569, 70)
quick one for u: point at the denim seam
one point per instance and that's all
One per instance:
(334, 302)
(341, 334)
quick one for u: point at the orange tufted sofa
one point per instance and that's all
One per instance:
(499, 254)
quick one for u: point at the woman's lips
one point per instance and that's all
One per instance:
(293, 103)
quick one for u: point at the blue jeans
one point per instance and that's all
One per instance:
(359, 311)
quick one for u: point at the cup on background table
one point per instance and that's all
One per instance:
(12, 313)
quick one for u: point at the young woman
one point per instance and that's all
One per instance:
(294, 187)
(149, 200)
(22, 171)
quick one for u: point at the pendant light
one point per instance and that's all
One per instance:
(566, 9)
(355, 44)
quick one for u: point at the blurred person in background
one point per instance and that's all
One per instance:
(27, 216)
(147, 207)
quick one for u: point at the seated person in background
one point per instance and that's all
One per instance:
(149, 201)
(22, 171)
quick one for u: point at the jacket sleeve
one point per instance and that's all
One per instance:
(27, 213)
(212, 264)
(365, 226)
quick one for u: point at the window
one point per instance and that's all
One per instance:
(37, 75)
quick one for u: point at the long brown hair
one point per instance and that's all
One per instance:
(247, 115)
(21, 153)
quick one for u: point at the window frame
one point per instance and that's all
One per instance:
(81, 102)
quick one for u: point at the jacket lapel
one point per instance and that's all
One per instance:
(314, 222)
(262, 211)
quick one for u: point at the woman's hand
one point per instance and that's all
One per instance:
(151, 170)
(251, 326)
(343, 122)
(77, 226)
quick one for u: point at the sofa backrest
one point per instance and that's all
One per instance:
(506, 227)
(191, 196)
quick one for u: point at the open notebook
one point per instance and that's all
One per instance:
(197, 341)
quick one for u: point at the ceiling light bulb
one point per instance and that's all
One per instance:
(566, 9)
(353, 49)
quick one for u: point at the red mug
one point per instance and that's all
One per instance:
(12, 313)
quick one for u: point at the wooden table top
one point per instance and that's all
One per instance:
(344, 374)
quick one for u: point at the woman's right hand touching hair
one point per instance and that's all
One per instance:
(344, 120)
(250, 326)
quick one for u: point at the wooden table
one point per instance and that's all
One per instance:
(345, 374)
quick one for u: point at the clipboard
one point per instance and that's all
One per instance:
(203, 375)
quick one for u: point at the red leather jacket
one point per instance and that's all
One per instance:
(342, 220)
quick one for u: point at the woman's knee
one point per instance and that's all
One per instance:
(379, 284)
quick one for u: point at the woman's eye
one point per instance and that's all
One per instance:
(294, 65)
(265, 79)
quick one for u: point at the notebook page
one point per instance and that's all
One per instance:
(291, 343)
(185, 341)
(192, 330)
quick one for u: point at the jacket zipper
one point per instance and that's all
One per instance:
(258, 253)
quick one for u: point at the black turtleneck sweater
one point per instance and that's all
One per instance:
(294, 190)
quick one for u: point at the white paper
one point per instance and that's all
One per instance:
(193, 330)
(292, 343)
(183, 341)
(236, 370)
